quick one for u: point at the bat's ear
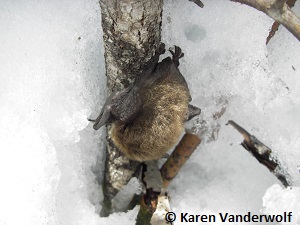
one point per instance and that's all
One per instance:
(105, 115)
(103, 118)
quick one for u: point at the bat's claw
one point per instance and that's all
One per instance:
(192, 112)
(176, 55)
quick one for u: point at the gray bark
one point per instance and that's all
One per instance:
(131, 33)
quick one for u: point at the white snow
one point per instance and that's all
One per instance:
(278, 199)
(53, 78)
(125, 195)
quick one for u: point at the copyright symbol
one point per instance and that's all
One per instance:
(170, 217)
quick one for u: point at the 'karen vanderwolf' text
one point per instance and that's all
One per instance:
(226, 217)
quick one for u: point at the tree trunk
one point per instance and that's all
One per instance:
(131, 33)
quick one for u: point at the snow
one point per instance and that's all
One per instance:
(52, 79)
(278, 199)
(49, 83)
(125, 195)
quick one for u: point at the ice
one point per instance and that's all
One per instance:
(286, 111)
(29, 175)
(51, 60)
(125, 195)
(278, 200)
(52, 80)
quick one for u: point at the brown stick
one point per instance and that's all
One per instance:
(180, 155)
(279, 11)
(273, 30)
(260, 151)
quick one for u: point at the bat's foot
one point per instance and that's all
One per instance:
(176, 55)
(192, 112)
(161, 49)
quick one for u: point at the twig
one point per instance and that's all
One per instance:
(260, 151)
(275, 25)
(180, 155)
(272, 32)
(279, 11)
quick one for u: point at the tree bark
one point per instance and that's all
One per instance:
(131, 34)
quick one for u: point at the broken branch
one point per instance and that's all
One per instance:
(279, 11)
(180, 155)
(275, 25)
(260, 151)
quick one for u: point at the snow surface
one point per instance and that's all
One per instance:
(52, 80)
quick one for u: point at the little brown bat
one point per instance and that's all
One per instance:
(148, 116)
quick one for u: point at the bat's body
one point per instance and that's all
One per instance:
(148, 116)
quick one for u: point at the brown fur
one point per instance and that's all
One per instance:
(159, 124)
(148, 116)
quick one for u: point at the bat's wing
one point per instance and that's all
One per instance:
(125, 105)
(120, 106)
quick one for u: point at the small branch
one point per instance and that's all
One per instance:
(275, 25)
(180, 155)
(260, 151)
(273, 30)
(279, 11)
